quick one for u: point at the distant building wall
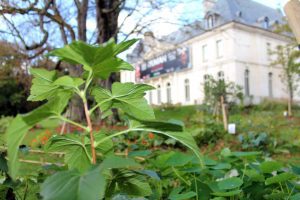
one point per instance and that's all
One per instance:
(236, 50)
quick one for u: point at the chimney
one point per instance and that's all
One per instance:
(149, 39)
(208, 5)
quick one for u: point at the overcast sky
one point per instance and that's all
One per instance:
(190, 10)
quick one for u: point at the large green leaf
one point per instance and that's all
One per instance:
(179, 159)
(172, 130)
(116, 162)
(128, 182)
(68, 185)
(104, 148)
(176, 194)
(68, 81)
(91, 184)
(77, 149)
(227, 194)
(127, 96)
(42, 87)
(135, 187)
(101, 59)
(295, 197)
(286, 176)
(270, 166)
(104, 68)
(22, 123)
(229, 183)
(77, 155)
(254, 175)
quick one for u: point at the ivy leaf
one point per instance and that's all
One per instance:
(68, 81)
(76, 156)
(42, 87)
(18, 128)
(100, 59)
(127, 96)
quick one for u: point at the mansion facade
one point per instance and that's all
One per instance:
(232, 42)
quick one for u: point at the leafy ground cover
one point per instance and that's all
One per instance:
(146, 157)
(269, 171)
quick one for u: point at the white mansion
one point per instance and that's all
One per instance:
(232, 43)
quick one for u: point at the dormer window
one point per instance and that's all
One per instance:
(239, 14)
(266, 22)
(210, 21)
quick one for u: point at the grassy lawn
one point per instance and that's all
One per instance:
(283, 132)
(257, 120)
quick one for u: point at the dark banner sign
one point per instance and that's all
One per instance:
(170, 61)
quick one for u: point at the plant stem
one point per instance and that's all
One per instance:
(88, 120)
(245, 166)
(196, 186)
(72, 122)
(180, 177)
(281, 187)
(26, 190)
(113, 135)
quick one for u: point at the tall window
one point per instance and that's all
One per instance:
(268, 49)
(270, 80)
(219, 48)
(169, 100)
(204, 53)
(187, 89)
(158, 94)
(221, 76)
(247, 86)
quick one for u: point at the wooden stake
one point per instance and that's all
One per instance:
(224, 113)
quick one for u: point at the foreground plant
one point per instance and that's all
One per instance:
(89, 156)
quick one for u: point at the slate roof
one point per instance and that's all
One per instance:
(251, 11)
(246, 12)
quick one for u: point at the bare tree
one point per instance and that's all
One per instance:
(41, 25)
(287, 58)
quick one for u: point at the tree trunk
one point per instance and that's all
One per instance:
(107, 19)
(82, 11)
(107, 23)
(76, 109)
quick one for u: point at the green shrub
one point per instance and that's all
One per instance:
(208, 131)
